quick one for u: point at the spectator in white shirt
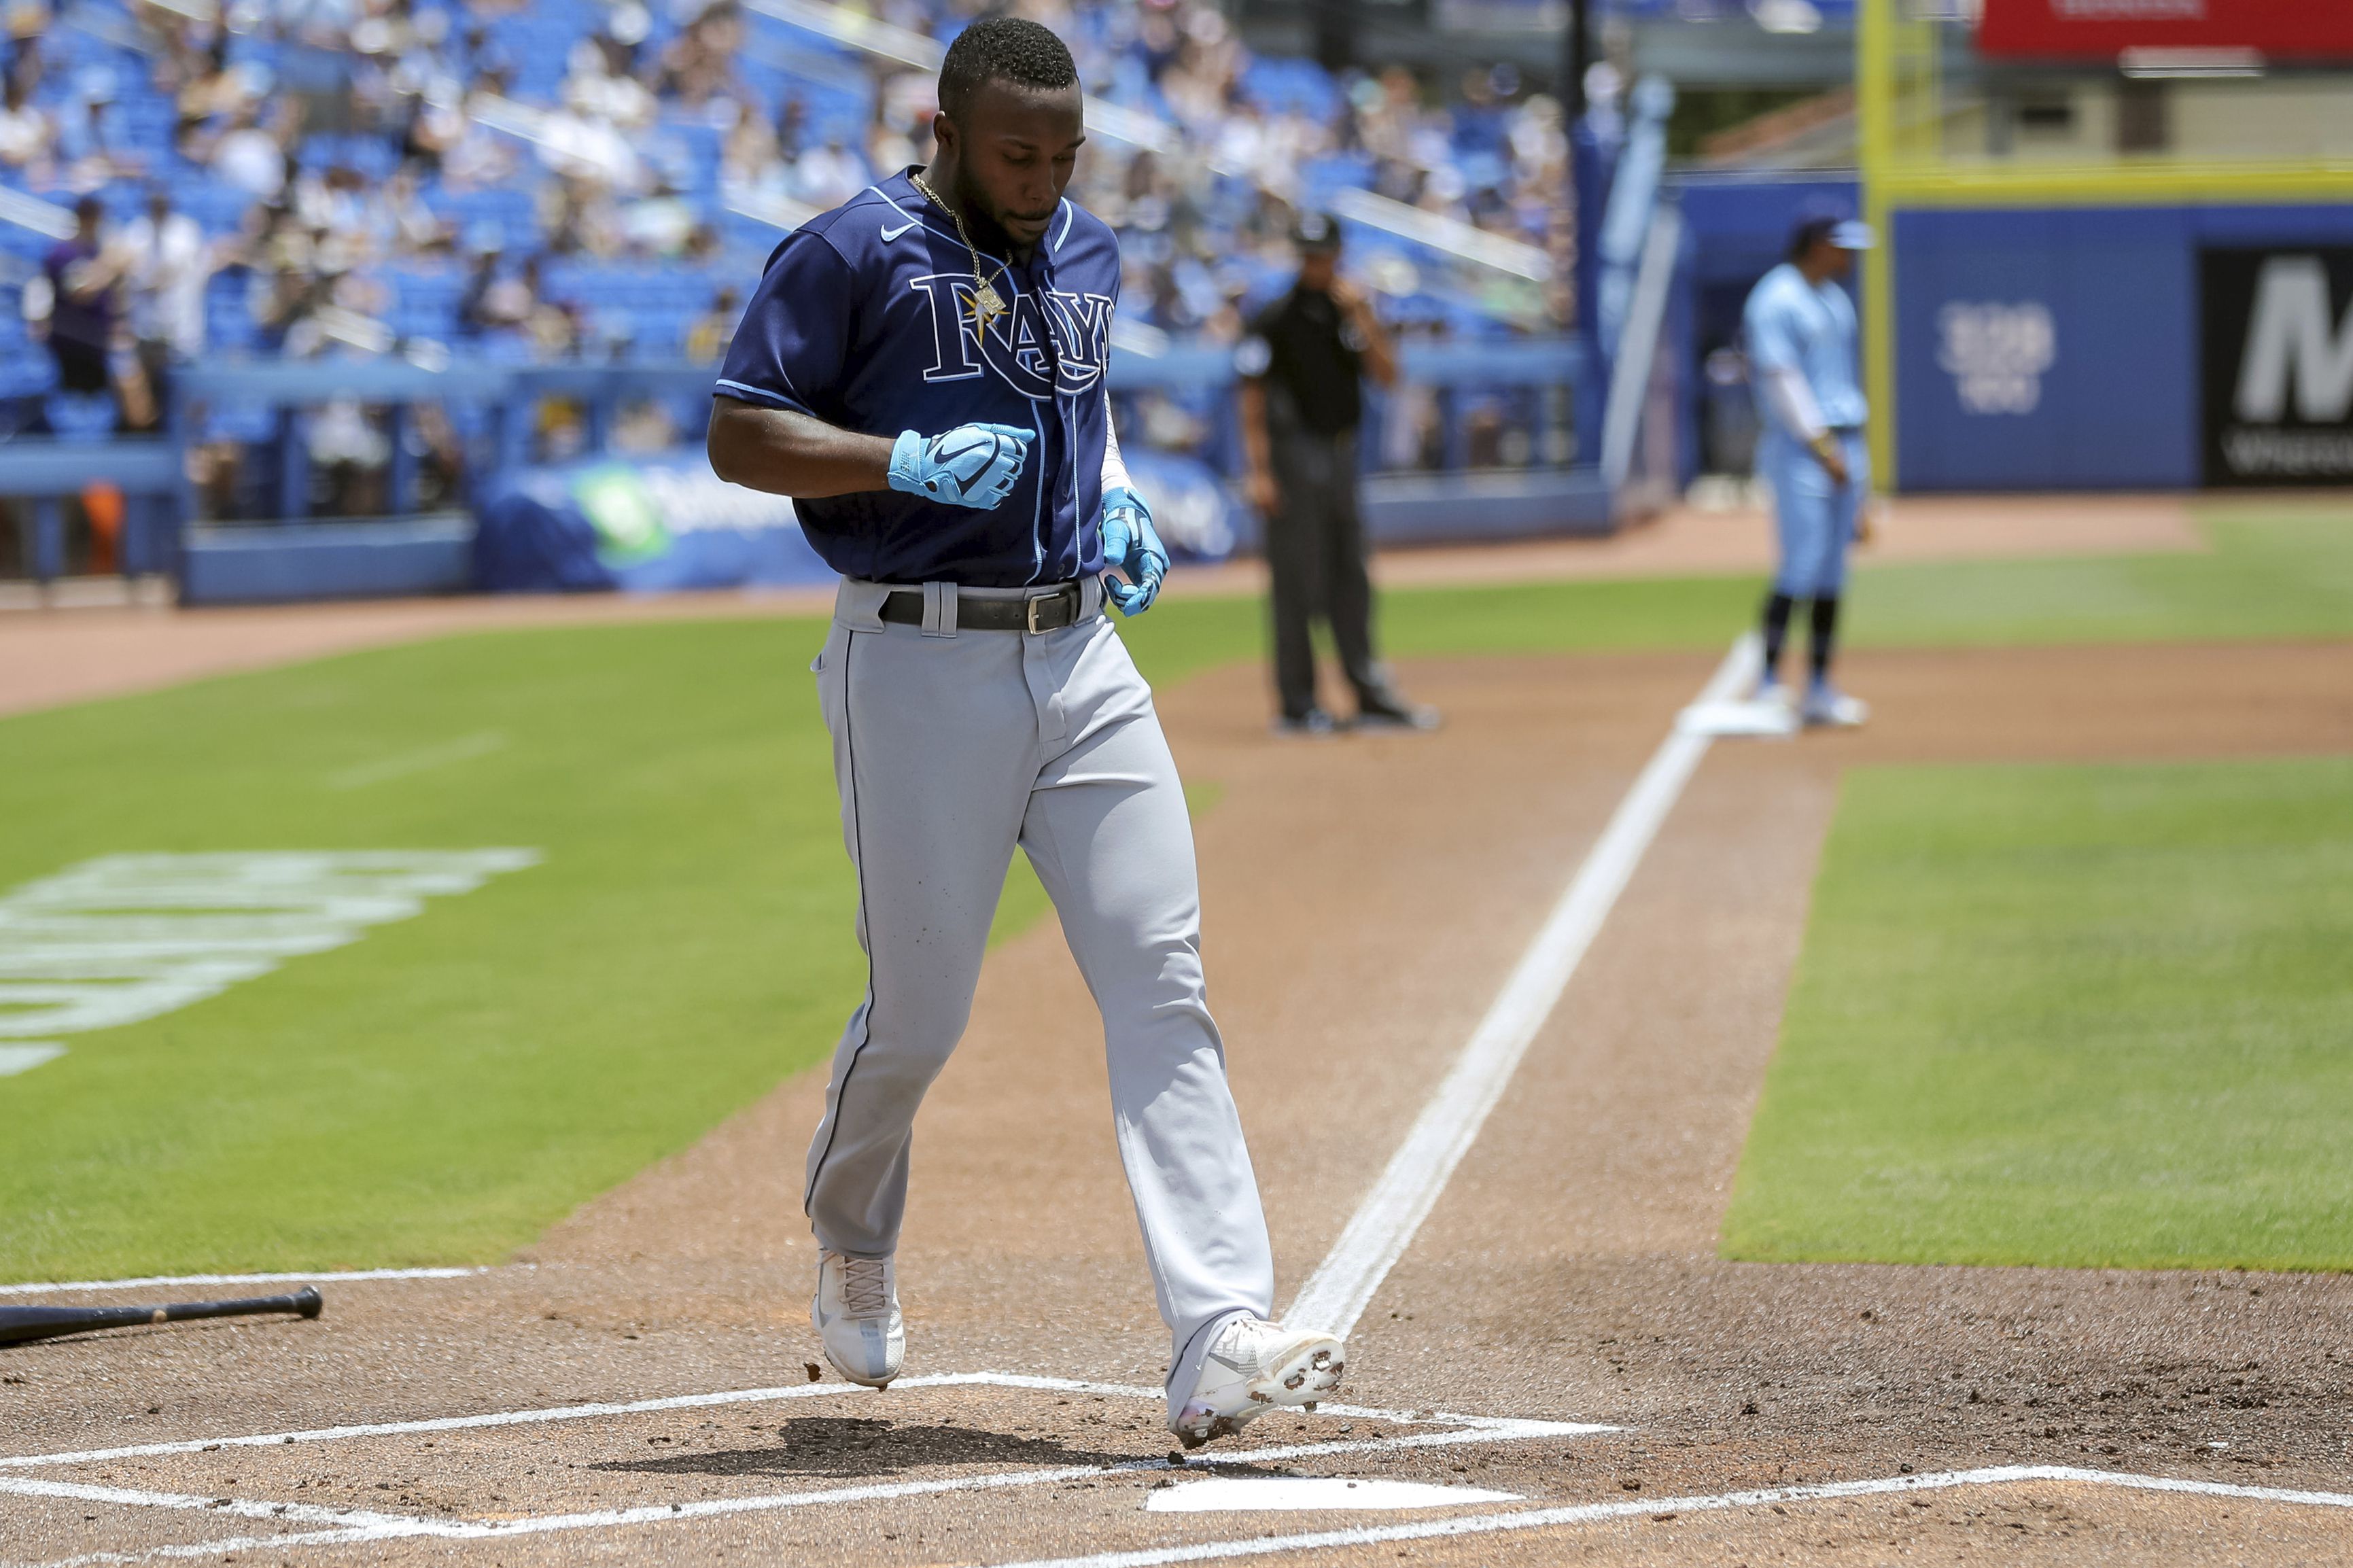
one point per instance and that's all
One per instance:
(26, 133)
(170, 264)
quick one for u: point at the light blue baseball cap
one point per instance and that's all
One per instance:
(1821, 221)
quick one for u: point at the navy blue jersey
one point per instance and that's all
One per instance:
(864, 320)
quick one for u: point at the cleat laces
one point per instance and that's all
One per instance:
(865, 1287)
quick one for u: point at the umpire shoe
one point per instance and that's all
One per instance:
(1253, 1367)
(1315, 723)
(857, 1316)
(1387, 711)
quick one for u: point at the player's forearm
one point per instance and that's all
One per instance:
(1256, 451)
(1114, 467)
(1380, 354)
(789, 454)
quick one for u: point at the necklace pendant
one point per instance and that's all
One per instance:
(987, 304)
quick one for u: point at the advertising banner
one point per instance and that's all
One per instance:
(2104, 29)
(2045, 350)
(2277, 371)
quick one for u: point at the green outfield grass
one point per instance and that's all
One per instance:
(2069, 1015)
(443, 1088)
(2274, 570)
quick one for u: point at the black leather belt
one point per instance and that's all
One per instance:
(1048, 611)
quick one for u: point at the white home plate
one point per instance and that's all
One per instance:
(1740, 717)
(1237, 1493)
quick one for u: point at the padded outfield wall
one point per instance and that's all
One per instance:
(2058, 308)
(2109, 348)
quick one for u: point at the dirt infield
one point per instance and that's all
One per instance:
(1366, 899)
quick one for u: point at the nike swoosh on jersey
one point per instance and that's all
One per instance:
(892, 234)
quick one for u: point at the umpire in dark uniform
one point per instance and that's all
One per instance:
(1302, 366)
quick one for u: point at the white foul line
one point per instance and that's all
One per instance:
(49, 1289)
(1586, 1513)
(1338, 1293)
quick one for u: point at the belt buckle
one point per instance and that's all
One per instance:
(1029, 609)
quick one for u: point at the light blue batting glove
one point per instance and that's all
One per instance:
(1129, 544)
(972, 465)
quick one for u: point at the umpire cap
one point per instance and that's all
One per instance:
(1316, 231)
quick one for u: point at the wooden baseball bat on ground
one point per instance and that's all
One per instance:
(20, 1325)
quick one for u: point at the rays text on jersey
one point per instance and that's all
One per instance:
(1042, 344)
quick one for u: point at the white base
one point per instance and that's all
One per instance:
(1739, 718)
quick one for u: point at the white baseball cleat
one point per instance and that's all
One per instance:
(855, 1314)
(1826, 704)
(1254, 1366)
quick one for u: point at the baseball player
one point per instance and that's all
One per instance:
(921, 369)
(1801, 354)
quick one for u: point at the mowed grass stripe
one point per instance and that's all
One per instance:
(2069, 1015)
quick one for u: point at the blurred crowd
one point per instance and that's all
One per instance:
(557, 180)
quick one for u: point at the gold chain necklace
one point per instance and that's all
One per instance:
(987, 304)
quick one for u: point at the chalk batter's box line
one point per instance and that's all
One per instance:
(354, 1525)
(311, 1277)
(1590, 1513)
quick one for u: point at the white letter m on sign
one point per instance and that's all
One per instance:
(2291, 336)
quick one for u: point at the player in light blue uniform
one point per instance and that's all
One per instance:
(1800, 327)
(921, 369)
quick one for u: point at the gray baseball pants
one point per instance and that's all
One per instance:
(949, 748)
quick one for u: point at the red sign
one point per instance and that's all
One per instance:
(2104, 29)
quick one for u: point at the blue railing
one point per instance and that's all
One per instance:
(147, 473)
(503, 402)
(498, 408)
